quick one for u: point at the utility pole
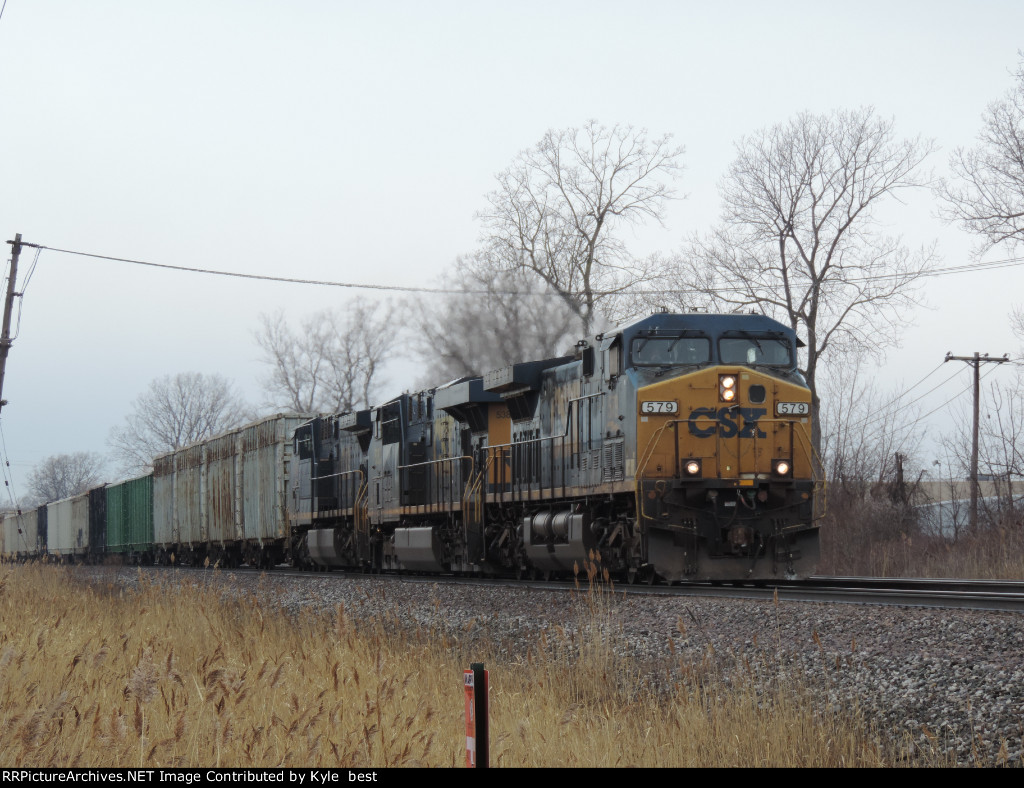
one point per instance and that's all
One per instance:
(5, 335)
(976, 361)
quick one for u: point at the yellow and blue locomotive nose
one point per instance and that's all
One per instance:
(731, 425)
(725, 476)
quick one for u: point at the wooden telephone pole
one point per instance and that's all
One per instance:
(976, 361)
(5, 334)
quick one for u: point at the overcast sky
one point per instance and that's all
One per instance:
(354, 142)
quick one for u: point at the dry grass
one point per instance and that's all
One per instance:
(877, 537)
(995, 553)
(160, 676)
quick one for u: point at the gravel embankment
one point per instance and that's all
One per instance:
(947, 678)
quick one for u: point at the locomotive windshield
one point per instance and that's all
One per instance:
(755, 349)
(671, 351)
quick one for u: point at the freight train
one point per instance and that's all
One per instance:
(676, 448)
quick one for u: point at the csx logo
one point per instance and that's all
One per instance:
(727, 422)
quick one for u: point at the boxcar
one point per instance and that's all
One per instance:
(97, 547)
(130, 519)
(68, 527)
(21, 534)
(224, 499)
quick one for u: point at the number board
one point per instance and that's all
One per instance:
(792, 408)
(659, 406)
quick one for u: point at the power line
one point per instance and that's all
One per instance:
(949, 270)
(8, 482)
(957, 395)
(21, 295)
(965, 268)
(262, 277)
(869, 420)
(864, 424)
(873, 426)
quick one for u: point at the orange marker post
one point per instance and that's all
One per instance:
(477, 733)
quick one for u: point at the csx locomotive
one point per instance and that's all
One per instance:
(675, 448)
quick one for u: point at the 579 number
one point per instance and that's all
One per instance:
(659, 406)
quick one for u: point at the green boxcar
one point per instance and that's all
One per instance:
(130, 517)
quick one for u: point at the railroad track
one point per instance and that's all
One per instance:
(905, 592)
(1005, 595)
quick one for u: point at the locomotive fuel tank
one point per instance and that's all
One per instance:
(558, 541)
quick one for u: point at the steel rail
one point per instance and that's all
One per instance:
(998, 595)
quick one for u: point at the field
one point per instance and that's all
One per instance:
(176, 676)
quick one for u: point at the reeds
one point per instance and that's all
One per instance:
(880, 537)
(180, 676)
(993, 553)
(183, 675)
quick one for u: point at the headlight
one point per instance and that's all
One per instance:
(727, 388)
(691, 468)
(782, 468)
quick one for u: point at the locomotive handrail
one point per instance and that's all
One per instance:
(648, 452)
(809, 451)
(339, 473)
(820, 482)
(645, 458)
(361, 514)
(355, 489)
(439, 485)
(655, 439)
(517, 485)
(509, 451)
(470, 493)
(434, 462)
(472, 500)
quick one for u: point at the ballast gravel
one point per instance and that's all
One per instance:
(947, 680)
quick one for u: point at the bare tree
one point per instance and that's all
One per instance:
(864, 428)
(799, 240)
(986, 196)
(298, 361)
(64, 475)
(1017, 324)
(494, 320)
(1001, 438)
(331, 363)
(1000, 446)
(871, 444)
(557, 208)
(175, 410)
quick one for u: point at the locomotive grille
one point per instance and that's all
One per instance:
(612, 467)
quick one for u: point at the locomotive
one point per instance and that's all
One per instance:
(675, 448)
